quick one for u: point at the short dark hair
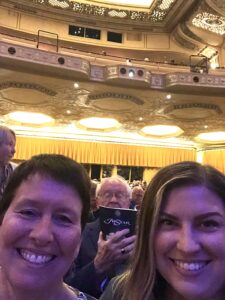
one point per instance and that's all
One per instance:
(59, 167)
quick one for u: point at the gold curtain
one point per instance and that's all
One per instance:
(102, 153)
(215, 158)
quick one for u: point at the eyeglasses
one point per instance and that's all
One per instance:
(118, 195)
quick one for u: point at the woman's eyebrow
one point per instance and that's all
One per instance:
(164, 214)
(211, 214)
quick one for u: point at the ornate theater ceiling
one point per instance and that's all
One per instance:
(138, 86)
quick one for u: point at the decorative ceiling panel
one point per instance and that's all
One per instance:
(157, 14)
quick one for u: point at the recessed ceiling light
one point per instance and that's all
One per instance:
(162, 130)
(99, 123)
(68, 112)
(76, 85)
(168, 96)
(30, 117)
(140, 119)
(211, 137)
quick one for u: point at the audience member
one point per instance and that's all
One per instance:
(136, 197)
(7, 151)
(180, 250)
(94, 211)
(99, 259)
(42, 213)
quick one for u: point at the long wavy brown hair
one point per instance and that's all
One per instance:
(142, 280)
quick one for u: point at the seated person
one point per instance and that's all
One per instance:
(42, 213)
(7, 151)
(137, 196)
(180, 249)
(94, 212)
(98, 259)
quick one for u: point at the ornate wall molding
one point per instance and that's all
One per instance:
(194, 79)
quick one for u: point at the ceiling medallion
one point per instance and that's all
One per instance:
(192, 111)
(210, 22)
(25, 85)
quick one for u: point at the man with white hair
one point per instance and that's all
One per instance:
(99, 260)
(7, 151)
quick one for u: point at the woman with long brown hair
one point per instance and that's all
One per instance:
(180, 248)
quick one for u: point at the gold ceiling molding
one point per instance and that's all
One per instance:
(157, 13)
(192, 111)
(26, 85)
(121, 96)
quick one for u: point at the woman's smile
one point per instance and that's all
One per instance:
(34, 258)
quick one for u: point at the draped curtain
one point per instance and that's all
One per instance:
(103, 153)
(215, 158)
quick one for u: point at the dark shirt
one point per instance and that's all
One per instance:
(93, 215)
(4, 177)
(84, 276)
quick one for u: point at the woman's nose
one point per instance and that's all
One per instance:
(188, 240)
(42, 232)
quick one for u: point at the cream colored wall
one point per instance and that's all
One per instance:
(9, 18)
(31, 24)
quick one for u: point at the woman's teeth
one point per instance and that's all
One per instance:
(190, 266)
(35, 258)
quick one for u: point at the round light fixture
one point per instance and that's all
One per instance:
(211, 137)
(161, 131)
(30, 118)
(93, 123)
(131, 73)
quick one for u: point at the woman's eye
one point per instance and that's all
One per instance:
(28, 212)
(167, 222)
(64, 219)
(209, 224)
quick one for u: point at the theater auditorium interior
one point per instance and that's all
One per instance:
(122, 86)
